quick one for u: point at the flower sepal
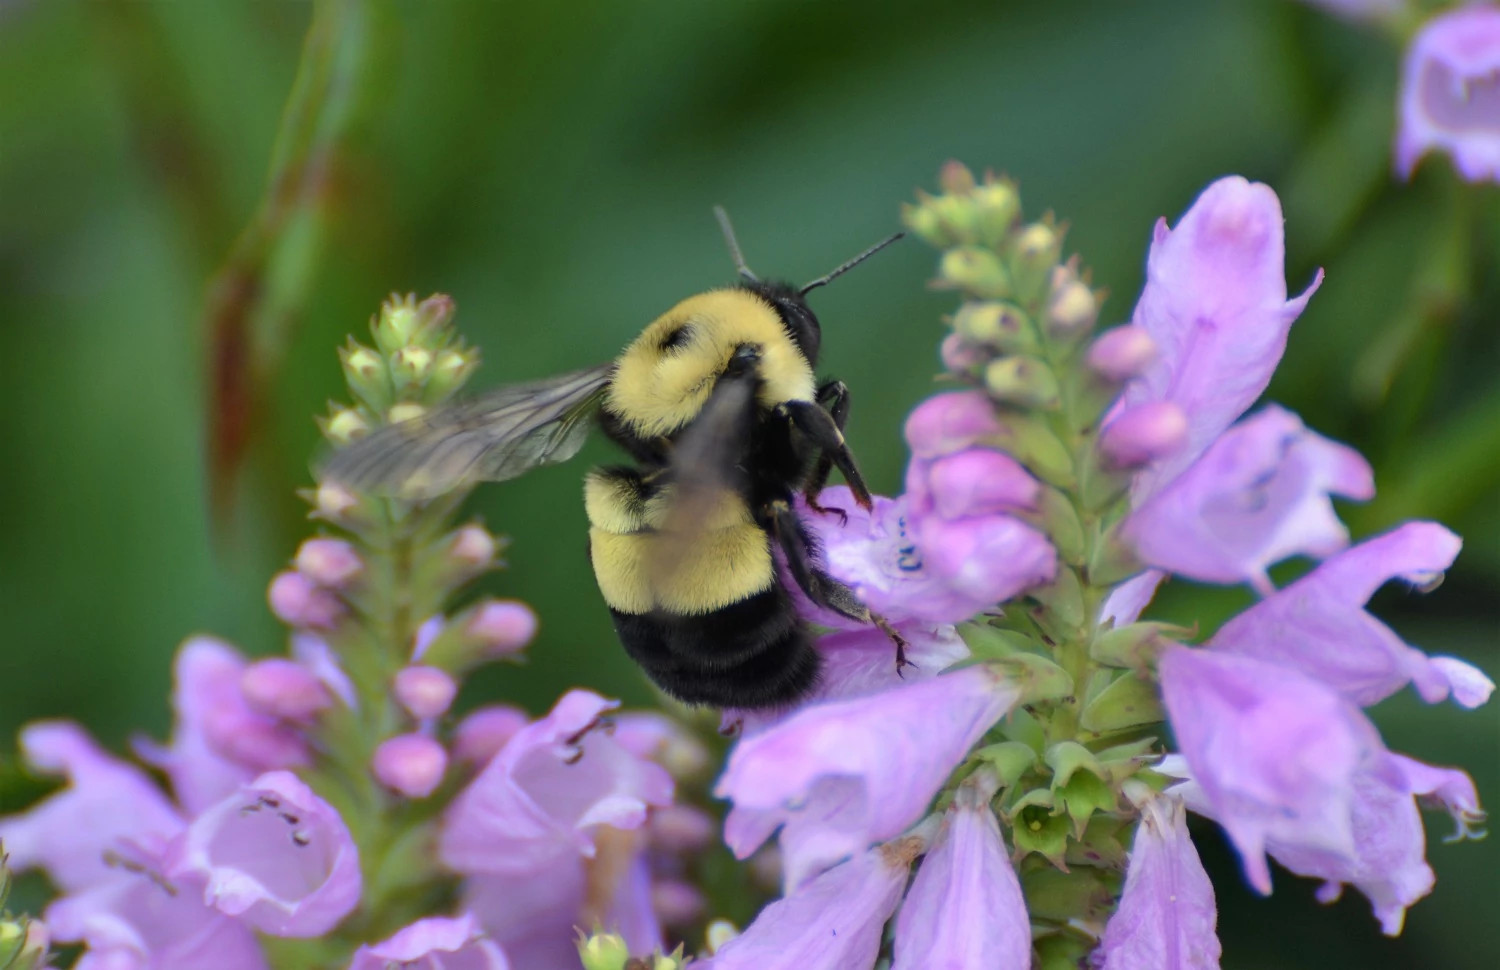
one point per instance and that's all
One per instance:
(1037, 678)
(1128, 702)
(1055, 895)
(1136, 646)
(1009, 760)
(1081, 785)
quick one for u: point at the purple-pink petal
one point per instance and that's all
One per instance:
(108, 805)
(965, 907)
(1215, 303)
(435, 943)
(273, 854)
(840, 776)
(1450, 93)
(832, 923)
(554, 781)
(1127, 601)
(1166, 915)
(1318, 624)
(1274, 751)
(1258, 495)
(532, 913)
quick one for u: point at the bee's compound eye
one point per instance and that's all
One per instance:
(677, 337)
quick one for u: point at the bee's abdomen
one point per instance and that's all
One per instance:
(752, 653)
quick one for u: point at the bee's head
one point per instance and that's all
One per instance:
(790, 301)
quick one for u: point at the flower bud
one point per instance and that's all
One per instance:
(961, 357)
(481, 735)
(344, 425)
(410, 764)
(333, 502)
(425, 692)
(405, 411)
(503, 626)
(328, 562)
(922, 219)
(283, 689)
(677, 903)
(1003, 326)
(1034, 254)
(955, 178)
(720, 932)
(1122, 353)
(411, 365)
(999, 206)
(367, 376)
(298, 601)
(1071, 307)
(603, 951)
(974, 269)
(1143, 434)
(450, 369)
(23, 944)
(1023, 381)
(472, 548)
(980, 481)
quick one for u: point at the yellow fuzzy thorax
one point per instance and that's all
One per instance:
(657, 392)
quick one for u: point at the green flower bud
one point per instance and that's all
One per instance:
(405, 411)
(23, 944)
(955, 178)
(1136, 645)
(344, 425)
(1034, 253)
(367, 376)
(1033, 443)
(1126, 703)
(1003, 326)
(1024, 381)
(974, 269)
(958, 217)
(411, 366)
(923, 221)
(451, 368)
(603, 951)
(720, 931)
(999, 206)
(1080, 784)
(1072, 307)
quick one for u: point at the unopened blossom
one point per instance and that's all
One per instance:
(1121, 353)
(273, 854)
(503, 626)
(1143, 434)
(435, 943)
(328, 562)
(839, 776)
(299, 601)
(1215, 305)
(1319, 625)
(1275, 751)
(284, 689)
(425, 692)
(485, 730)
(1450, 93)
(833, 922)
(410, 764)
(1258, 495)
(1166, 914)
(107, 806)
(965, 907)
(552, 784)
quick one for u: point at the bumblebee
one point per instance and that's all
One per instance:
(717, 405)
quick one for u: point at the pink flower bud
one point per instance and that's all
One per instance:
(410, 764)
(960, 356)
(1143, 434)
(681, 828)
(298, 601)
(473, 547)
(676, 903)
(947, 423)
(481, 735)
(328, 562)
(504, 626)
(1122, 353)
(425, 691)
(283, 689)
(978, 481)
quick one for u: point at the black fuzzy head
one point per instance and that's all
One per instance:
(791, 306)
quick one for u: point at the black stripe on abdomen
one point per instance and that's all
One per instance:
(753, 653)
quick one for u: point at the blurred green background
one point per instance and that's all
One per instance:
(552, 166)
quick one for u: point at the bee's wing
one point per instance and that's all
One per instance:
(492, 437)
(705, 467)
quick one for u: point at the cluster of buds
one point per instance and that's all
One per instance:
(23, 942)
(609, 951)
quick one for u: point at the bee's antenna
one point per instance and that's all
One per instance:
(734, 246)
(825, 280)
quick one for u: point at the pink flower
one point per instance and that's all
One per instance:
(485, 730)
(552, 784)
(1318, 624)
(532, 915)
(1166, 914)
(1215, 305)
(332, 563)
(1258, 495)
(273, 854)
(840, 776)
(1450, 93)
(410, 764)
(425, 692)
(965, 907)
(298, 600)
(284, 689)
(832, 923)
(435, 943)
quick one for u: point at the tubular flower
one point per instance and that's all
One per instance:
(1450, 93)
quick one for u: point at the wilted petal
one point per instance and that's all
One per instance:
(1260, 494)
(1167, 914)
(275, 855)
(965, 908)
(1215, 304)
(832, 923)
(107, 805)
(532, 914)
(1274, 751)
(1450, 93)
(435, 943)
(139, 921)
(1318, 624)
(843, 775)
(552, 783)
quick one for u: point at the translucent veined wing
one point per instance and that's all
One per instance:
(492, 437)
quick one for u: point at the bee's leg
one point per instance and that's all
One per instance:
(821, 588)
(833, 397)
(820, 428)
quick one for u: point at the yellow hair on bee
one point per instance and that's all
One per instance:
(719, 568)
(657, 390)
